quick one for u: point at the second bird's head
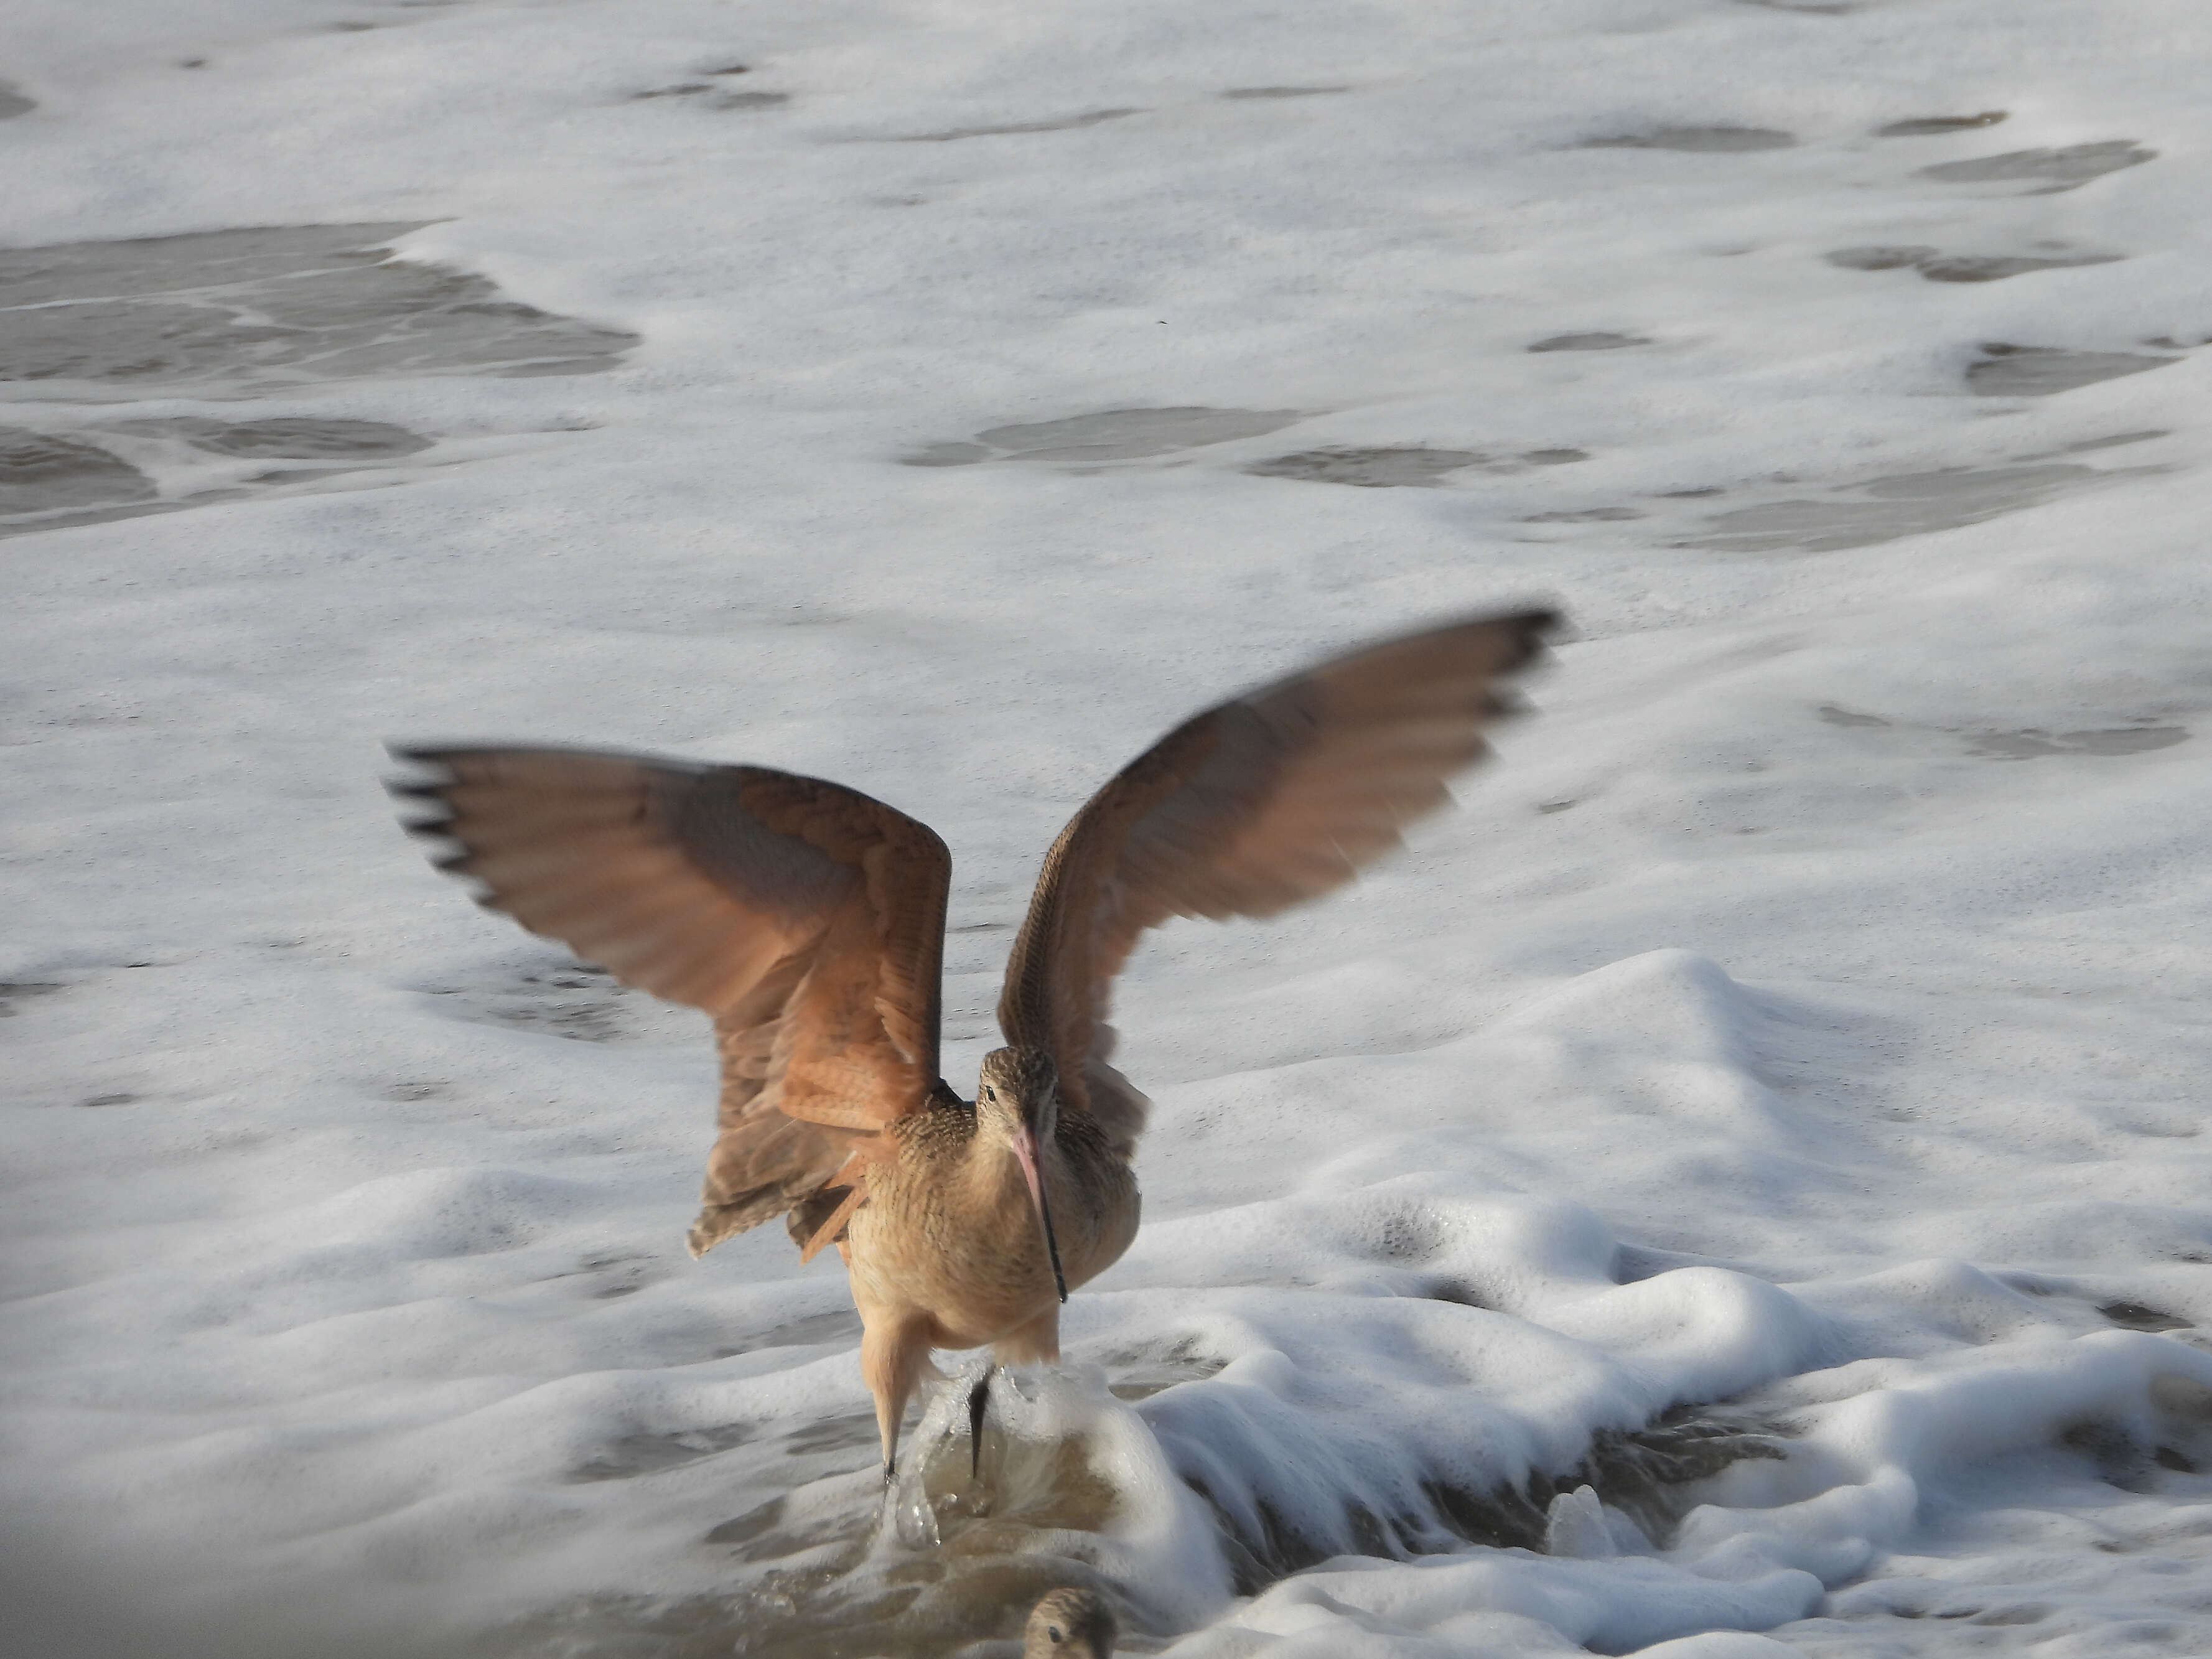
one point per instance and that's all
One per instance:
(1017, 1101)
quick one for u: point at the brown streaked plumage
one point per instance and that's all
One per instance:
(1070, 1624)
(809, 922)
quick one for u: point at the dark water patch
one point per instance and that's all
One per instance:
(2137, 1317)
(1806, 8)
(284, 304)
(1585, 515)
(2018, 371)
(1995, 268)
(949, 455)
(2033, 742)
(1111, 435)
(1933, 126)
(839, 1325)
(583, 1004)
(748, 1527)
(1140, 1373)
(1599, 341)
(51, 481)
(292, 438)
(40, 473)
(2068, 169)
(1370, 468)
(1402, 466)
(710, 96)
(2113, 442)
(1546, 808)
(111, 1100)
(610, 1277)
(1645, 1473)
(1717, 140)
(1052, 124)
(1458, 1292)
(831, 1434)
(1889, 509)
(12, 102)
(634, 1455)
(1892, 257)
(1282, 91)
(1835, 716)
(1940, 267)
(2119, 1459)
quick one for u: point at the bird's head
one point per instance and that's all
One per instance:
(1070, 1624)
(1017, 1102)
(1019, 1090)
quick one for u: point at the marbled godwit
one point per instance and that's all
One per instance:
(809, 920)
(1070, 1624)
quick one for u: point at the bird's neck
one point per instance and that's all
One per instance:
(993, 1177)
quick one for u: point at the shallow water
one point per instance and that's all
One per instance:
(1888, 509)
(1939, 267)
(225, 312)
(1282, 91)
(2062, 169)
(1597, 341)
(2018, 371)
(1936, 126)
(832, 1567)
(40, 473)
(229, 314)
(1723, 141)
(1369, 468)
(1049, 124)
(1112, 434)
(113, 468)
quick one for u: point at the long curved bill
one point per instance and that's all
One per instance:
(1025, 1149)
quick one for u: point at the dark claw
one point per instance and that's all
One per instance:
(978, 1398)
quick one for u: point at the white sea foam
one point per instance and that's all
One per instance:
(1736, 1188)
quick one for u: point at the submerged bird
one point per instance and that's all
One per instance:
(809, 920)
(1070, 1624)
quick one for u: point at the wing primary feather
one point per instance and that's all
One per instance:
(1265, 801)
(733, 888)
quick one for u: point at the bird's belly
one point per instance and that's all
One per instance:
(971, 1295)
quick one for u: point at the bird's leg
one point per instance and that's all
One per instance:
(979, 1397)
(892, 1354)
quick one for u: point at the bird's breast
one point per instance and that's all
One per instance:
(950, 1230)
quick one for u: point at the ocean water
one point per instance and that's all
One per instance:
(1737, 1187)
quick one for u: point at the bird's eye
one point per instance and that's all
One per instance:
(1053, 1631)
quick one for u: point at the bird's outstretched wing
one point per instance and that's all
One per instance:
(806, 918)
(1269, 800)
